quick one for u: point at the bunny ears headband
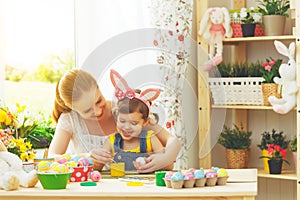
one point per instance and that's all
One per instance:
(123, 90)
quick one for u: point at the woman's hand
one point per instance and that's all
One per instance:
(100, 156)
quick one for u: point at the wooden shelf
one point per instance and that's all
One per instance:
(286, 174)
(260, 38)
(247, 107)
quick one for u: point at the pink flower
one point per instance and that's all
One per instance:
(264, 64)
(155, 42)
(268, 67)
(272, 62)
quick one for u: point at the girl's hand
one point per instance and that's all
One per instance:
(154, 162)
(100, 156)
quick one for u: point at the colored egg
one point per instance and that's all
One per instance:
(177, 176)
(83, 162)
(199, 173)
(61, 168)
(66, 156)
(44, 165)
(90, 161)
(95, 176)
(75, 158)
(62, 160)
(72, 164)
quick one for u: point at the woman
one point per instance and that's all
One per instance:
(84, 118)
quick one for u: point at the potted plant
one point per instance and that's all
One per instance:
(270, 69)
(274, 15)
(293, 148)
(236, 142)
(276, 156)
(275, 138)
(249, 19)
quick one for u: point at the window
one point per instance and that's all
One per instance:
(38, 45)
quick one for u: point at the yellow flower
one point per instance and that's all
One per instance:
(23, 148)
(31, 156)
(20, 108)
(24, 156)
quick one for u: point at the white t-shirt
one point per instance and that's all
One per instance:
(81, 140)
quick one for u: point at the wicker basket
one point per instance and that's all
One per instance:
(270, 89)
(236, 91)
(237, 158)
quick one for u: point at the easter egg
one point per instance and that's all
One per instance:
(75, 158)
(66, 156)
(95, 176)
(72, 164)
(62, 160)
(83, 162)
(43, 166)
(61, 168)
(141, 160)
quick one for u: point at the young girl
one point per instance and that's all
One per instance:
(132, 141)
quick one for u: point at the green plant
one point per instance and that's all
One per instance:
(274, 7)
(276, 138)
(244, 69)
(270, 69)
(293, 144)
(41, 136)
(235, 138)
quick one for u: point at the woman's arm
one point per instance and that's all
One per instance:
(162, 160)
(59, 143)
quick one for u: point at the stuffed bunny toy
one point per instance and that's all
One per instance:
(287, 72)
(11, 174)
(214, 27)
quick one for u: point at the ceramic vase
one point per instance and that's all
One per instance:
(275, 166)
(274, 24)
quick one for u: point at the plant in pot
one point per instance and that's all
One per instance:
(276, 156)
(275, 138)
(270, 69)
(274, 15)
(236, 142)
(293, 148)
(248, 18)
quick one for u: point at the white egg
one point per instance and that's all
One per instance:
(141, 160)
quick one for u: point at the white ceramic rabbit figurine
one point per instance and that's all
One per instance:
(287, 72)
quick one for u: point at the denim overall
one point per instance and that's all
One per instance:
(129, 157)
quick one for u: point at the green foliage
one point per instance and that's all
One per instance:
(274, 7)
(237, 70)
(276, 138)
(41, 136)
(294, 144)
(235, 138)
(54, 67)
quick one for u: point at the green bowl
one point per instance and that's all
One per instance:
(54, 181)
